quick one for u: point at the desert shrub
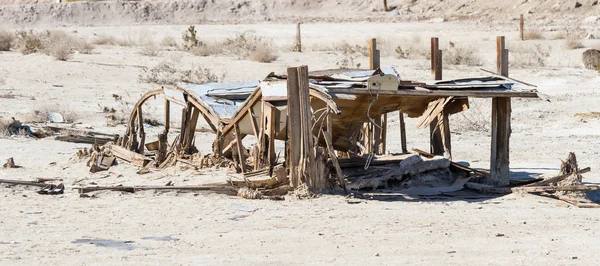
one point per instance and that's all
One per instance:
(106, 40)
(84, 47)
(150, 49)
(41, 113)
(528, 55)
(533, 35)
(168, 41)
(29, 42)
(167, 74)
(456, 55)
(59, 45)
(264, 54)
(6, 40)
(591, 59)
(573, 41)
(559, 36)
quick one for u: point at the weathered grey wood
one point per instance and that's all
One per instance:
(298, 47)
(315, 180)
(142, 134)
(334, 160)
(559, 178)
(269, 117)
(240, 148)
(501, 113)
(384, 125)
(385, 6)
(402, 132)
(439, 128)
(293, 126)
(374, 62)
(167, 115)
(521, 26)
(441, 93)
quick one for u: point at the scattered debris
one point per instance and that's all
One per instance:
(10, 163)
(52, 190)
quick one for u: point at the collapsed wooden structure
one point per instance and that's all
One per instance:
(323, 117)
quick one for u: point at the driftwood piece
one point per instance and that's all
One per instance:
(558, 178)
(10, 163)
(218, 189)
(24, 183)
(129, 156)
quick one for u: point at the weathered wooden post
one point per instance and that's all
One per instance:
(501, 112)
(521, 26)
(385, 6)
(167, 115)
(376, 138)
(298, 46)
(403, 132)
(293, 126)
(439, 128)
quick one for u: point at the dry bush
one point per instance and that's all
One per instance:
(205, 50)
(264, 54)
(84, 47)
(522, 55)
(29, 42)
(166, 74)
(350, 54)
(106, 40)
(533, 35)
(591, 59)
(573, 41)
(413, 49)
(59, 45)
(6, 40)
(4, 127)
(559, 36)
(150, 49)
(168, 41)
(477, 118)
(456, 55)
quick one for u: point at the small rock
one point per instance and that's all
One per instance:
(577, 4)
(594, 3)
(451, 252)
(377, 255)
(437, 20)
(573, 258)
(55, 117)
(499, 235)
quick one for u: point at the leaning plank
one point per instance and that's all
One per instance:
(477, 93)
(361, 161)
(240, 148)
(129, 156)
(24, 183)
(559, 178)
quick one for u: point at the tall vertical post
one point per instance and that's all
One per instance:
(521, 26)
(377, 136)
(501, 113)
(402, 133)
(167, 115)
(385, 6)
(439, 129)
(298, 47)
(374, 62)
(293, 126)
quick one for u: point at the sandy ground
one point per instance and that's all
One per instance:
(216, 229)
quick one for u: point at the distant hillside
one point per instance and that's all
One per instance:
(14, 13)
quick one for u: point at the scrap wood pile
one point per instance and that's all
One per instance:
(566, 186)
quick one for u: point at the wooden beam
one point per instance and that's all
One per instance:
(240, 148)
(269, 116)
(402, 132)
(256, 95)
(293, 126)
(298, 47)
(439, 128)
(315, 181)
(440, 93)
(253, 122)
(142, 134)
(501, 129)
(383, 134)
(167, 115)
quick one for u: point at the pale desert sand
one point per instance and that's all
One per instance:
(216, 229)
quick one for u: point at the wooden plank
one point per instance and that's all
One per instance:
(329, 142)
(494, 74)
(142, 135)
(23, 182)
(269, 113)
(240, 148)
(501, 113)
(167, 115)
(129, 156)
(243, 112)
(253, 122)
(439, 130)
(402, 132)
(191, 129)
(559, 178)
(441, 93)
(293, 126)
(315, 180)
(383, 134)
